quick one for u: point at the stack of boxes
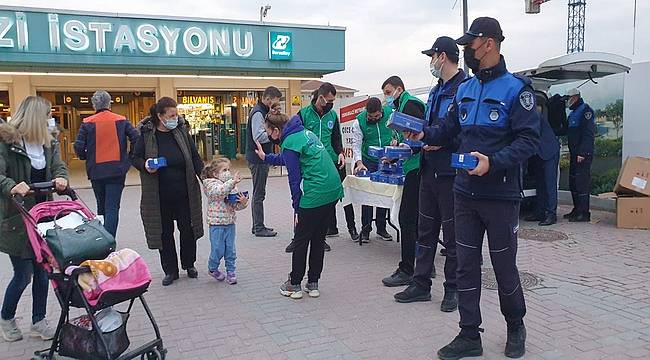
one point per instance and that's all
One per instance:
(633, 194)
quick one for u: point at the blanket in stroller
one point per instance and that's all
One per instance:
(123, 269)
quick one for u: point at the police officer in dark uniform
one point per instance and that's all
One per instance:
(494, 117)
(582, 130)
(436, 205)
(545, 164)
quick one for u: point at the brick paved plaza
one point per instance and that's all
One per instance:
(593, 301)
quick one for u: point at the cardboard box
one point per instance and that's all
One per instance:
(634, 178)
(633, 212)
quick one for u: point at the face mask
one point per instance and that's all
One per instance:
(469, 54)
(51, 125)
(435, 72)
(327, 107)
(171, 124)
(225, 176)
(390, 99)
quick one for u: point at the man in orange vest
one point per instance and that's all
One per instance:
(102, 143)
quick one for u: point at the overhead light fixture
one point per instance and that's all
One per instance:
(259, 77)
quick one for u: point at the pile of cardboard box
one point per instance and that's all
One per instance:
(633, 194)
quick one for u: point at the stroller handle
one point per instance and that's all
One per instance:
(46, 188)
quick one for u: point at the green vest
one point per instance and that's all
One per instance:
(321, 126)
(375, 134)
(321, 184)
(413, 163)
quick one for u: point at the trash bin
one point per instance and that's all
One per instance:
(228, 143)
(243, 137)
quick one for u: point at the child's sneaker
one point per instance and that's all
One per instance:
(231, 278)
(292, 291)
(43, 330)
(218, 275)
(10, 331)
(312, 289)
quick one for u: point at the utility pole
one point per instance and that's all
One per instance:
(465, 27)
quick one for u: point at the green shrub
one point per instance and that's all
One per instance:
(608, 147)
(603, 182)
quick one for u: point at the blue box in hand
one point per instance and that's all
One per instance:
(397, 152)
(406, 123)
(414, 144)
(376, 151)
(232, 197)
(157, 163)
(362, 173)
(464, 161)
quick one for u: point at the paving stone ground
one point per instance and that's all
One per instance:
(593, 301)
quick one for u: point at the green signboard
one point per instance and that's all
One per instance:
(280, 45)
(40, 40)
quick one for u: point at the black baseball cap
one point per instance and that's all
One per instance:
(443, 44)
(482, 27)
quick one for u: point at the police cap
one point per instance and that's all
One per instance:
(482, 27)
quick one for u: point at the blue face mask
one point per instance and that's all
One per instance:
(171, 124)
(390, 100)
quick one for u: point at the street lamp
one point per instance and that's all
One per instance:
(264, 11)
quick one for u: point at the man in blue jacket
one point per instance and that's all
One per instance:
(436, 205)
(545, 164)
(494, 117)
(102, 142)
(582, 132)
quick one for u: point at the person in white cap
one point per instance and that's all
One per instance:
(582, 129)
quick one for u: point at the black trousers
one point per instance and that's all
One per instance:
(580, 183)
(310, 235)
(366, 211)
(500, 218)
(179, 211)
(408, 220)
(348, 209)
(259, 175)
(436, 211)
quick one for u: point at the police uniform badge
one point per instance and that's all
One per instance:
(494, 114)
(588, 115)
(330, 124)
(527, 100)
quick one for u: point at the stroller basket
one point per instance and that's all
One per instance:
(81, 343)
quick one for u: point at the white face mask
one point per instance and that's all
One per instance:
(436, 72)
(51, 125)
(225, 176)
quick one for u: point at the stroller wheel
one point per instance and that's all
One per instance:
(155, 354)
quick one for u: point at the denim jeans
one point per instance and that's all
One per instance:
(222, 246)
(23, 271)
(108, 193)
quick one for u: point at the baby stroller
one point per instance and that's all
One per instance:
(85, 342)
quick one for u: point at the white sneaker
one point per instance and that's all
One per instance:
(10, 331)
(312, 290)
(43, 330)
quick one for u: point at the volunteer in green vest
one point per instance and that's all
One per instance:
(370, 130)
(308, 164)
(320, 119)
(400, 100)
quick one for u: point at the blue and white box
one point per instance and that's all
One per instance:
(406, 123)
(376, 151)
(464, 161)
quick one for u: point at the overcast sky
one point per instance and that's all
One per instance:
(384, 37)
